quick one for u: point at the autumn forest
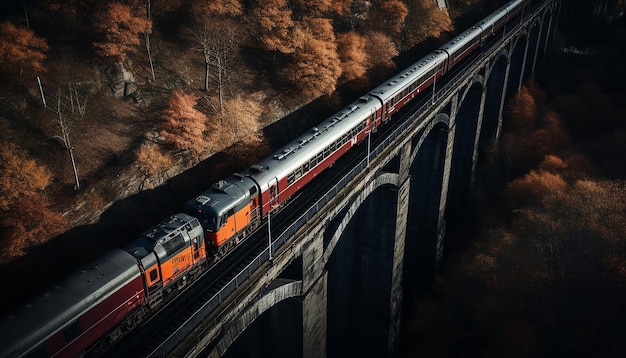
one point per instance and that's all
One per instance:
(101, 100)
(104, 104)
(540, 268)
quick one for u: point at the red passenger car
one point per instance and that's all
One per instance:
(67, 319)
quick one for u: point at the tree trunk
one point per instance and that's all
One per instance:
(71, 150)
(206, 75)
(147, 36)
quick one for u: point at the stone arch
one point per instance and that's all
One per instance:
(494, 102)
(363, 241)
(466, 123)
(533, 44)
(477, 79)
(516, 65)
(546, 25)
(270, 299)
(438, 120)
(504, 52)
(380, 180)
(423, 245)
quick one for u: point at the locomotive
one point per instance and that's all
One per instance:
(108, 296)
(113, 294)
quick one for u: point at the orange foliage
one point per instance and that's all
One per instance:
(389, 16)
(21, 49)
(19, 176)
(381, 49)
(316, 65)
(580, 166)
(521, 112)
(240, 120)
(553, 125)
(152, 161)
(241, 124)
(533, 187)
(120, 26)
(218, 8)
(575, 166)
(586, 215)
(552, 163)
(341, 6)
(28, 222)
(352, 12)
(354, 58)
(184, 125)
(424, 20)
(530, 131)
(275, 25)
(310, 8)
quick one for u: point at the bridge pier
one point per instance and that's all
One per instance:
(314, 300)
(396, 294)
(314, 319)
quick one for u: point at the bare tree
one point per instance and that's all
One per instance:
(146, 36)
(71, 107)
(217, 41)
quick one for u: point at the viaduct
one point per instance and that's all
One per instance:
(333, 282)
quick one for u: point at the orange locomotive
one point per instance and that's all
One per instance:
(228, 211)
(169, 254)
(108, 297)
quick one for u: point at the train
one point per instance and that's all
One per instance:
(112, 295)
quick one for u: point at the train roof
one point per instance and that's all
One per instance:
(512, 4)
(499, 14)
(299, 151)
(492, 18)
(233, 192)
(70, 298)
(409, 75)
(156, 238)
(462, 39)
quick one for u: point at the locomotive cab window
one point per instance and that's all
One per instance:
(174, 245)
(210, 222)
(154, 275)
